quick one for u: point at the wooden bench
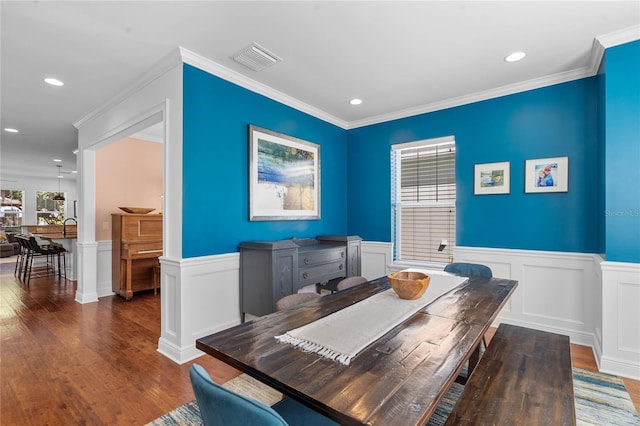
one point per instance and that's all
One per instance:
(524, 377)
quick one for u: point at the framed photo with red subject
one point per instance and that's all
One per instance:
(547, 175)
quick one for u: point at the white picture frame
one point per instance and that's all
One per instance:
(284, 177)
(547, 175)
(492, 178)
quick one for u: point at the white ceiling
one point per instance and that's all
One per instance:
(399, 57)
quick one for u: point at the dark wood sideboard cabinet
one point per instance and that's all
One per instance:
(270, 270)
(136, 245)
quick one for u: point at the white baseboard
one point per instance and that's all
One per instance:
(177, 354)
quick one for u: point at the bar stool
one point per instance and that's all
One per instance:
(22, 254)
(50, 253)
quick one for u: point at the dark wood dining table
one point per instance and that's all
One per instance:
(397, 380)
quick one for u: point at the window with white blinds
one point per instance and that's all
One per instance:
(424, 200)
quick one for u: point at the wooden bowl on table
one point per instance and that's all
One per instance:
(409, 285)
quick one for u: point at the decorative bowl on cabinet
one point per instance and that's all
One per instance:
(137, 210)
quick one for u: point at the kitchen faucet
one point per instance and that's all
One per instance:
(64, 225)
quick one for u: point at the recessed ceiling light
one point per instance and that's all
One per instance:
(53, 81)
(10, 130)
(57, 160)
(515, 56)
(355, 101)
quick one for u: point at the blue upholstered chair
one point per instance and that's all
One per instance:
(468, 269)
(220, 406)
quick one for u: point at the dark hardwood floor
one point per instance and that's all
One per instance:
(63, 363)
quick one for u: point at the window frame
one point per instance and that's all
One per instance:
(397, 204)
(8, 210)
(59, 207)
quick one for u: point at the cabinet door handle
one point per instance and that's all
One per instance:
(306, 260)
(341, 266)
(305, 275)
(341, 254)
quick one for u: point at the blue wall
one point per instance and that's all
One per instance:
(215, 208)
(593, 121)
(555, 121)
(622, 151)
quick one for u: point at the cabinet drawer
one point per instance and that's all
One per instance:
(319, 257)
(321, 273)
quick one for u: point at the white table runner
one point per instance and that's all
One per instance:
(343, 334)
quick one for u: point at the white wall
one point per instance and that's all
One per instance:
(29, 186)
(154, 97)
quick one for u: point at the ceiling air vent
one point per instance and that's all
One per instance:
(256, 57)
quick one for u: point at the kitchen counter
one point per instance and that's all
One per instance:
(69, 243)
(57, 236)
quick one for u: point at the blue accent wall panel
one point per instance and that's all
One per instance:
(555, 121)
(216, 116)
(622, 150)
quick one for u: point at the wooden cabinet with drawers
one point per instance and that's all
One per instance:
(270, 270)
(136, 246)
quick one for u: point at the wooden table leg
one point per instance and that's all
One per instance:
(474, 358)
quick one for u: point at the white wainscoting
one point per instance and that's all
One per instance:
(200, 296)
(620, 319)
(593, 302)
(104, 285)
(557, 292)
(376, 258)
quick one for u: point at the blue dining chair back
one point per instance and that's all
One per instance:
(220, 406)
(468, 269)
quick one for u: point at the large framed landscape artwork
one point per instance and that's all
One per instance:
(284, 177)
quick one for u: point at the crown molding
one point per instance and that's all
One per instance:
(182, 55)
(170, 61)
(619, 37)
(510, 89)
(228, 74)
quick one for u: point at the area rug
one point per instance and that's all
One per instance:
(601, 399)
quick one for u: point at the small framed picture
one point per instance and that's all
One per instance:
(547, 175)
(492, 178)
